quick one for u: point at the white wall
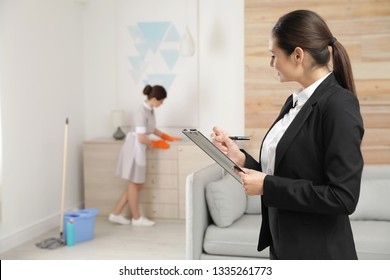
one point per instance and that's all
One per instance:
(220, 47)
(42, 84)
(100, 67)
(57, 60)
(2, 24)
(221, 65)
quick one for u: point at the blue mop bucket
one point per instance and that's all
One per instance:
(84, 224)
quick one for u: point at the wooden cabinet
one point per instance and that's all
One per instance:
(102, 188)
(164, 193)
(159, 198)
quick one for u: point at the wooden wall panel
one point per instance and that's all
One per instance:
(362, 26)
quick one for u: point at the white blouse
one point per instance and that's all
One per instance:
(277, 131)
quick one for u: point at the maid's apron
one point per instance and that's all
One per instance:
(132, 158)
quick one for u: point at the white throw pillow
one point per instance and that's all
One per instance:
(373, 201)
(226, 200)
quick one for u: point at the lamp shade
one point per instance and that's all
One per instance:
(187, 45)
(117, 118)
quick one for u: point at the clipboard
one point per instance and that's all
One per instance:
(216, 154)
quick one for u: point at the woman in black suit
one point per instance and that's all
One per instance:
(310, 164)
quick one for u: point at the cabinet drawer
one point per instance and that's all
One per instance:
(191, 159)
(170, 153)
(162, 166)
(159, 196)
(161, 181)
(166, 211)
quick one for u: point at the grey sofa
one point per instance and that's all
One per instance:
(223, 223)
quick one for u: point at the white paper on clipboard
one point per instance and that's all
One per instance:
(217, 155)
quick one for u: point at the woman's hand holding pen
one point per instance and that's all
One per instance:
(252, 180)
(227, 146)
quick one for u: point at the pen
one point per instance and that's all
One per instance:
(239, 137)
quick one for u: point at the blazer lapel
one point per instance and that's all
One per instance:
(286, 107)
(300, 119)
(291, 132)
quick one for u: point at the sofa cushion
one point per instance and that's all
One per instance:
(376, 171)
(253, 204)
(373, 204)
(240, 239)
(372, 239)
(226, 200)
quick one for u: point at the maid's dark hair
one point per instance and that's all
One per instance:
(156, 91)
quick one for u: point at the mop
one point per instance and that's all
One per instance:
(53, 242)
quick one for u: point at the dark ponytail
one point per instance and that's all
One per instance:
(307, 30)
(342, 67)
(157, 92)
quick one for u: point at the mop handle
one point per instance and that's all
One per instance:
(64, 177)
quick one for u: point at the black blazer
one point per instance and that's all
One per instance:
(316, 185)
